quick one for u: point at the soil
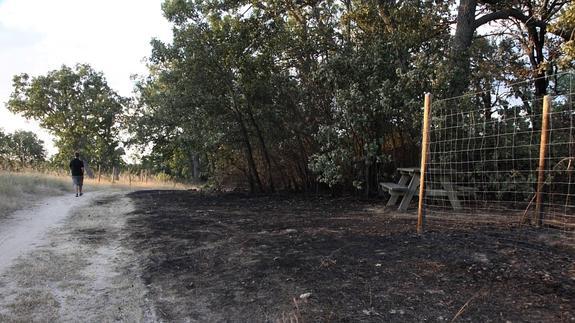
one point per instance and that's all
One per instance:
(79, 269)
(184, 256)
(235, 257)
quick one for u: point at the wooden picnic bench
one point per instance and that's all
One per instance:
(408, 185)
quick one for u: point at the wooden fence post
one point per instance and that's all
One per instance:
(423, 165)
(542, 152)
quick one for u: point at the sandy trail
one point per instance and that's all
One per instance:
(70, 259)
(26, 228)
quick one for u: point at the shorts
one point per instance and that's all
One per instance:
(78, 180)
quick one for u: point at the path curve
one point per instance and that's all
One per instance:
(25, 228)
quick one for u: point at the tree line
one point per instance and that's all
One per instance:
(302, 94)
(21, 148)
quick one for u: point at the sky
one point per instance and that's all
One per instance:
(38, 36)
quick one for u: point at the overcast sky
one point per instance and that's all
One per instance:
(37, 36)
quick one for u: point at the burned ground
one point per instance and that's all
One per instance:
(235, 257)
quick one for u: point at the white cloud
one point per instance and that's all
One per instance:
(113, 36)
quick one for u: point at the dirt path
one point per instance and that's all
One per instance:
(74, 266)
(26, 228)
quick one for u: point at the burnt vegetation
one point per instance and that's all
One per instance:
(250, 258)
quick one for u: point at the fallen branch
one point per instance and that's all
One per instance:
(547, 181)
(462, 309)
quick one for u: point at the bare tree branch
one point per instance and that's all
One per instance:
(565, 33)
(506, 14)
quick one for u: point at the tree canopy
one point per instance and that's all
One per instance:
(303, 94)
(78, 107)
(298, 93)
(289, 93)
(22, 146)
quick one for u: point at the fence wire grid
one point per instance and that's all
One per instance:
(484, 155)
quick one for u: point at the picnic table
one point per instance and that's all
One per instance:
(408, 187)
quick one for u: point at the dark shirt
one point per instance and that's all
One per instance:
(77, 167)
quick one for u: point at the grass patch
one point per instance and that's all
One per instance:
(18, 190)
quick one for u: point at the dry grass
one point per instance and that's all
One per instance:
(18, 190)
(129, 181)
(133, 183)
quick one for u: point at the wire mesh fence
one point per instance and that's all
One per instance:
(484, 155)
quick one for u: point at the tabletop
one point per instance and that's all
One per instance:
(414, 170)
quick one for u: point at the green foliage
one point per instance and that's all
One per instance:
(77, 106)
(26, 147)
(254, 87)
(22, 146)
(297, 94)
(565, 26)
(4, 144)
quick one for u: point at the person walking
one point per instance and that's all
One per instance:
(77, 169)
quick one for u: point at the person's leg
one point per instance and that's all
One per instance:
(75, 182)
(81, 184)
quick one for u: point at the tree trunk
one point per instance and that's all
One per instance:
(537, 58)
(367, 176)
(302, 164)
(254, 176)
(264, 151)
(459, 55)
(196, 166)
